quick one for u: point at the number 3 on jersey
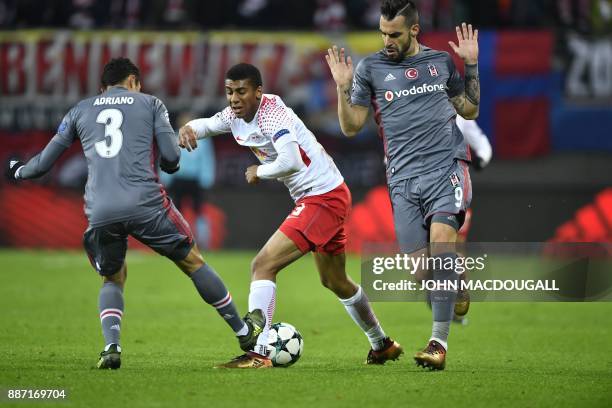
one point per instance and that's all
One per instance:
(113, 137)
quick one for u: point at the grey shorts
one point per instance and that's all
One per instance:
(442, 195)
(166, 232)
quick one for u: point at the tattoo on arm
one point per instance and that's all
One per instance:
(347, 96)
(459, 103)
(472, 84)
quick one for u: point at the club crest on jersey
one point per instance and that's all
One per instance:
(454, 179)
(411, 73)
(62, 127)
(433, 71)
(260, 154)
(255, 138)
(280, 133)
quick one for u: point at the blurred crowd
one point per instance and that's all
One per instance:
(586, 16)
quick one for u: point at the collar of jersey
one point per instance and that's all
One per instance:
(117, 87)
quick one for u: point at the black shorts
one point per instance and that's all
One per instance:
(166, 232)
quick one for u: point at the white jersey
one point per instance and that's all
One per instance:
(273, 126)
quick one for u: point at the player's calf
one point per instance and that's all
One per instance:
(343, 288)
(212, 290)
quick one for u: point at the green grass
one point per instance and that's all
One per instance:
(511, 354)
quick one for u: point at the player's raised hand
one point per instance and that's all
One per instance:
(467, 47)
(251, 174)
(187, 138)
(341, 67)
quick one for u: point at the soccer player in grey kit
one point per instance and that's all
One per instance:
(416, 92)
(126, 136)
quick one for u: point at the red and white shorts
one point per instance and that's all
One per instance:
(317, 222)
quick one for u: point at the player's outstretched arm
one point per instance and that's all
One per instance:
(467, 103)
(352, 117)
(187, 138)
(37, 165)
(204, 127)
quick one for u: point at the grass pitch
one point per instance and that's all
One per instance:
(511, 354)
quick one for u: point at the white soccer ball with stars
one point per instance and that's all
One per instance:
(285, 344)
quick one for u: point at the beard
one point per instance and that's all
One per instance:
(398, 54)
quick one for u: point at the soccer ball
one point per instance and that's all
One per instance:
(285, 344)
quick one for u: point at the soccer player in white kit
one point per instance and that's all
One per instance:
(290, 153)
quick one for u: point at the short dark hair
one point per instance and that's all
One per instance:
(244, 71)
(393, 8)
(117, 70)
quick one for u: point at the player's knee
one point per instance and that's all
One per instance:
(262, 268)
(119, 277)
(195, 258)
(110, 269)
(341, 285)
(442, 233)
(332, 285)
(422, 274)
(326, 282)
(443, 236)
(192, 262)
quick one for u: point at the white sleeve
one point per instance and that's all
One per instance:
(215, 125)
(475, 137)
(287, 162)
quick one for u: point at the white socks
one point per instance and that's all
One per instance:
(358, 307)
(439, 333)
(263, 296)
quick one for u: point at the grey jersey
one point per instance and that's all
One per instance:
(122, 134)
(412, 108)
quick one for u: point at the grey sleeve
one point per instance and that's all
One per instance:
(161, 120)
(66, 131)
(43, 161)
(361, 93)
(168, 149)
(166, 139)
(455, 85)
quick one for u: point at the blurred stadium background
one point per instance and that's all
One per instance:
(546, 73)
